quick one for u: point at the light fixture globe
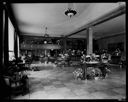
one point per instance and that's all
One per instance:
(45, 42)
(70, 13)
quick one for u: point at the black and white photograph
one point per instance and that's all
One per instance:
(63, 51)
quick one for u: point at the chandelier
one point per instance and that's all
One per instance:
(46, 35)
(48, 44)
(70, 12)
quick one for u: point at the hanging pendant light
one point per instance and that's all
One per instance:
(47, 42)
(70, 12)
(46, 35)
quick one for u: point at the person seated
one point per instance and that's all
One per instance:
(88, 58)
(67, 58)
(104, 64)
(83, 57)
(105, 57)
(116, 56)
(117, 52)
(97, 57)
(123, 60)
(93, 57)
(73, 52)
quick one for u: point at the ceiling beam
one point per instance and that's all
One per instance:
(117, 12)
(112, 35)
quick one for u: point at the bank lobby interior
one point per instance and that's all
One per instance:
(63, 51)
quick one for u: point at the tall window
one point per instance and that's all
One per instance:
(11, 39)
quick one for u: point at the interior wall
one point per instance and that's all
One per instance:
(103, 42)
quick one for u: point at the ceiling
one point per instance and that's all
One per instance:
(108, 28)
(32, 18)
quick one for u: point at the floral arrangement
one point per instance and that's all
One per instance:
(93, 73)
(78, 73)
(88, 58)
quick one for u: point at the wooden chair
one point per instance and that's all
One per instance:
(16, 85)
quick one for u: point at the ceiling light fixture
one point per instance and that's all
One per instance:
(46, 35)
(70, 12)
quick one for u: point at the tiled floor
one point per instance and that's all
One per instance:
(58, 83)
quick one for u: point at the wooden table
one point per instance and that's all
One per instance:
(23, 66)
(89, 64)
(51, 59)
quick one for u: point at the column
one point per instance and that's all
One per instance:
(18, 45)
(5, 53)
(15, 45)
(64, 44)
(89, 41)
(2, 20)
(3, 50)
(125, 44)
(45, 52)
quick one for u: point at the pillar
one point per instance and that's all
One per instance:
(5, 53)
(15, 45)
(18, 45)
(2, 20)
(125, 44)
(64, 44)
(89, 41)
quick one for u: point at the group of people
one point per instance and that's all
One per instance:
(101, 55)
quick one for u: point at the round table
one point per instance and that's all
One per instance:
(88, 64)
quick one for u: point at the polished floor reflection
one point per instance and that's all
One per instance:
(58, 83)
